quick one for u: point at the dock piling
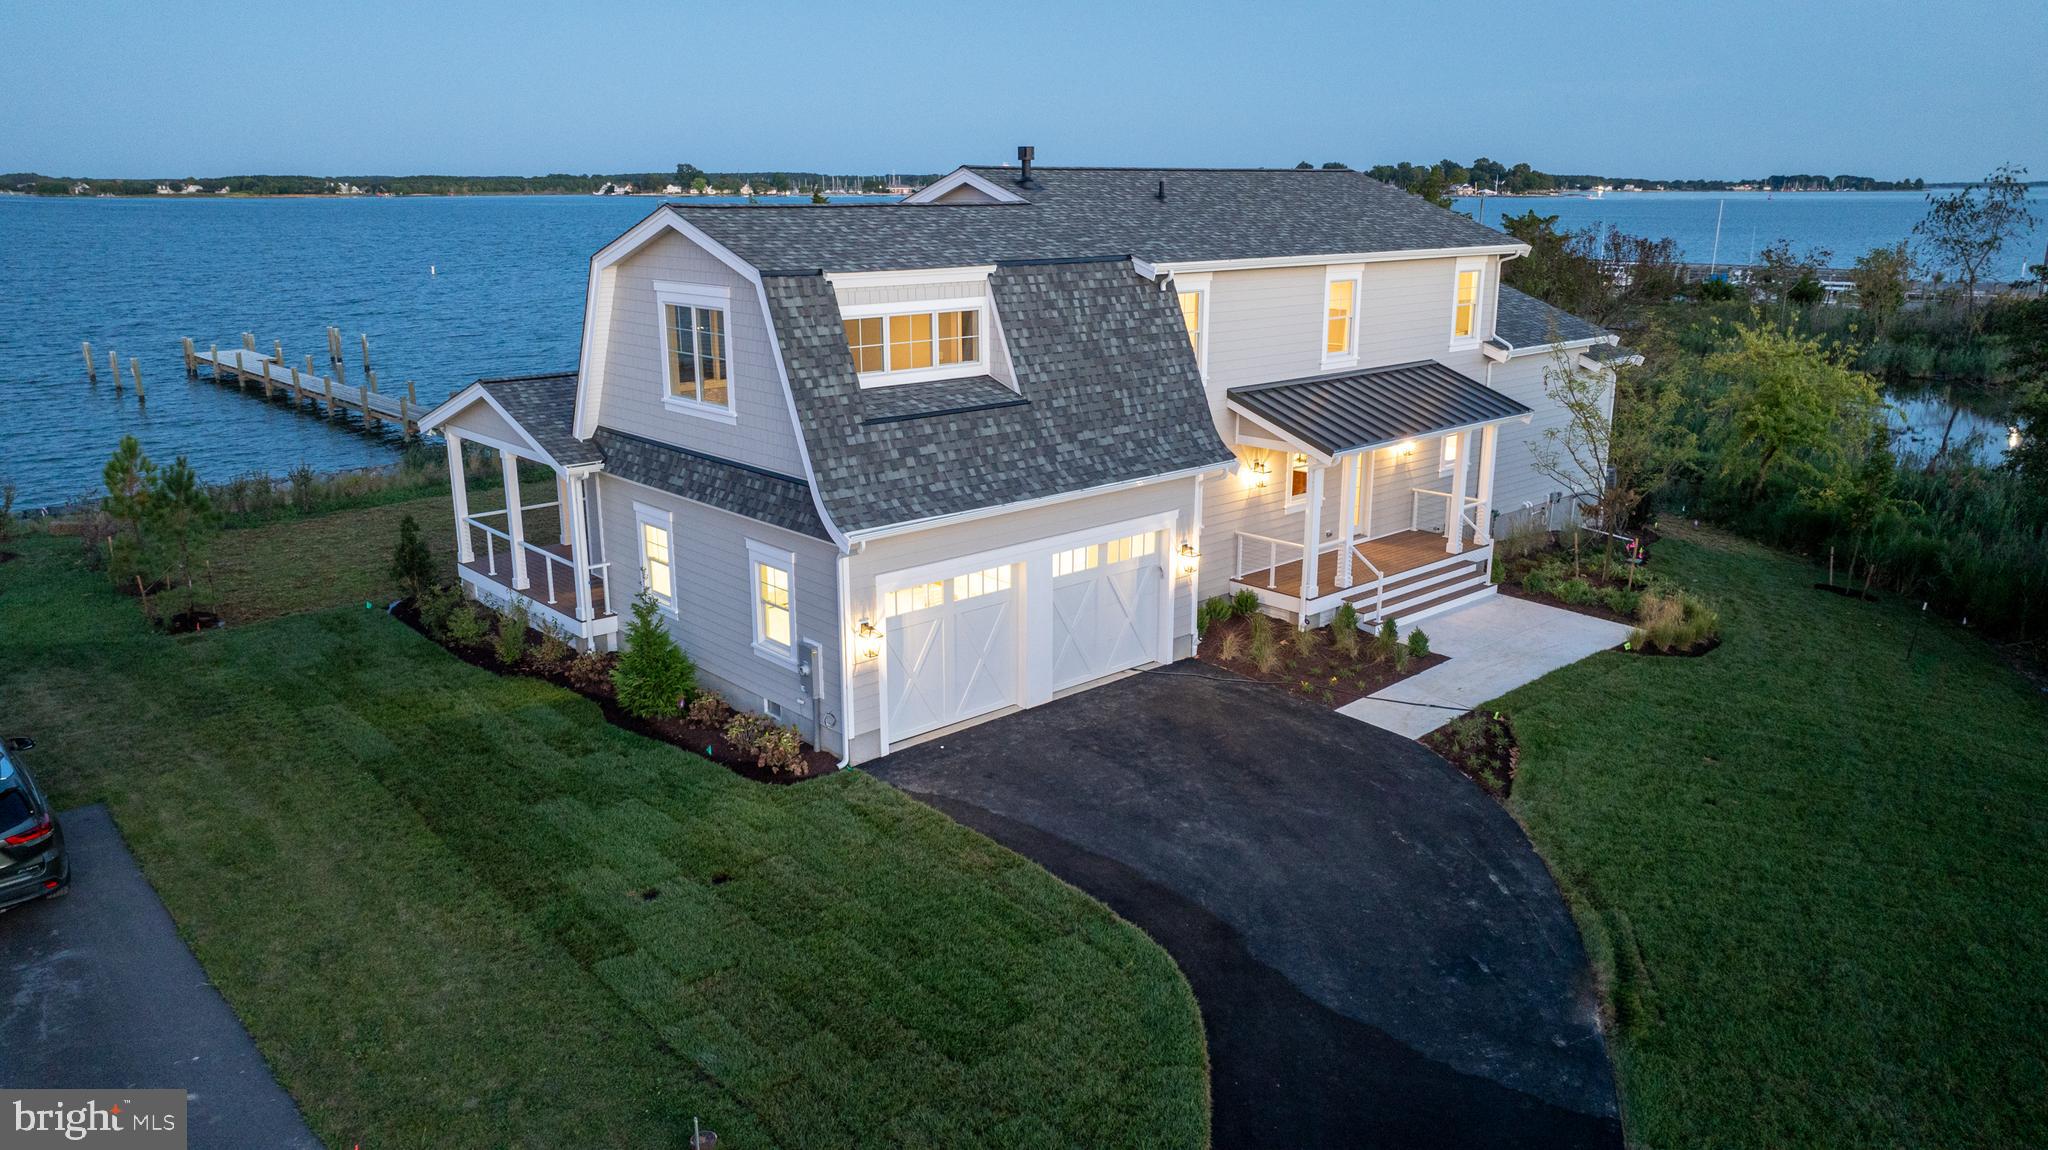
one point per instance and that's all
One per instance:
(248, 341)
(191, 359)
(92, 371)
(135, 369)
(213, 357)
(114, 368)
(369, 389)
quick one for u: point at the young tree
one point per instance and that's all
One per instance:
(653, 677)
(1789, 405)
(129, 475)
(1967, 228)
(181, 524)
(1619, 440)
(1881, 278)
(412, 564)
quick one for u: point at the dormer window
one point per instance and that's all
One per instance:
(696, 349)
(903, 343)
(1466, 300)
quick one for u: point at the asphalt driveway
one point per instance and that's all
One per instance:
(1380, 956)
(101, 994)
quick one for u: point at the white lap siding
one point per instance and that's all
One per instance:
(1516, 479)
(714, 618)
(880, 557)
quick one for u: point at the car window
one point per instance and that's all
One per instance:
(14, 807)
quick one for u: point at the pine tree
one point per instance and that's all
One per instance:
(653, 677)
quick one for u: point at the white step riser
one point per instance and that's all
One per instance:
(1452, 605)
(1397, 608)
(1434, 579)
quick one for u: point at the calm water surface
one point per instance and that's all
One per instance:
(504, 296)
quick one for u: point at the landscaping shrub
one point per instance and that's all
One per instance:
(436, 604)
(1400, 656)
(1265, 655)
(709, 709)
(779, 749)
(555, 649)
(1577, 592)
(1675, 622)
(1418, 644)
(1244, 604)
(589, 671)
(512, 625)
(1232, 648)
(412, 564)
(746, 729)
(1621, 600)
(1388, 640)
(1344, 630)
(466, 626)
(1213, 610)
(1307, 641)
(653, 677)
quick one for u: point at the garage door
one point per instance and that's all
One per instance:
(1105, 600)
(952, 650)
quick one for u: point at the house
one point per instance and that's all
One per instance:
(889, 468)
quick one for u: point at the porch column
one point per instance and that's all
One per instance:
(562, 504)
(1312, 530)
(1489, 441)
(1347, 511)
(458, 490)
(579, 553)
(1372, 467)
(515, 519)
(1454, 515)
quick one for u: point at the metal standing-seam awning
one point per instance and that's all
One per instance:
(1336, 414)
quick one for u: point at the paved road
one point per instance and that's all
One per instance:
(1380, 957)
(102, 994)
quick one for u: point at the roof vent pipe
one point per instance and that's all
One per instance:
(1161, 193)
(1025, 152)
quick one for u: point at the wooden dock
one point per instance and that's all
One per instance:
(304, 387)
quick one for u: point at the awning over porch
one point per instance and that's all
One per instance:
(1335, 414)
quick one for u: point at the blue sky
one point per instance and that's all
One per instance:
(1652, 88)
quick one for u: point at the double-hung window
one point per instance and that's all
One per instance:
(657, 553)
(1193, 290)
(1466, 300)
(771, 575)
(902, 343)
(1340, 316)
(696, 348)
(1448, 462)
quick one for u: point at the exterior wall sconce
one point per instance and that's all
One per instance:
(867, 640)
(1261, 472)
(1190, 559)
(1406, 449)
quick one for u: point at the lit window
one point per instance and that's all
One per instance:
(1130, 547)
(978, 583)
(907, 599)
(1078, 559)
(1343, 302)
(772, 585)
(1297, 475)
(655, 561)
(1191, 314)
(864, 339)
(697, 354)
(913, 341)
(1450, 456)
(1465, 319)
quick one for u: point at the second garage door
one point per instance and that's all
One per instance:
(1105, 606)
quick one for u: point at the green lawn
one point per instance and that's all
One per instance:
(460, 910)
(1809, 869)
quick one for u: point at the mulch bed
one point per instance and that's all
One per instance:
(1325, 677)
(9, 556)
(590, 677)
(1846, 592)
(190, 622)
(1597, 610)
(1692, 652)
(1482, 745)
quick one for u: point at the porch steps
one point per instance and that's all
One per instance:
(1429, 591)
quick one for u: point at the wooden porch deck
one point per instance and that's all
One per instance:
(537, 579)
(1393, 554)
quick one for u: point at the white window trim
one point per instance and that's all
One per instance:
(1292, 502)
(668, 295)
(1198, 284)
(785, 561)
(648, 515)
(1469, 264)
(887, 378)
(1332, 274)
(1445, 462)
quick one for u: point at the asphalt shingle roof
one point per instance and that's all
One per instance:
(544, 406)
(1525, 322)
(1102, 360)
(1208, 214)
(781, 500)
(941, 397)
(1371, 408)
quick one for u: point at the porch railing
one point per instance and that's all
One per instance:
(1464, 504)
(1379, 577)
(599, 573)
(1273, 559)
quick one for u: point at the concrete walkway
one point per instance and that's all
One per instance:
(1494, 646)
(103, 995)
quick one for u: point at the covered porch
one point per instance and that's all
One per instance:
(1392, 470)
(548, 555)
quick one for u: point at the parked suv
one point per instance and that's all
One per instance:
(32, 863)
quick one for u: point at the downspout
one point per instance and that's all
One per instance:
(845, 672)
(1195, 578)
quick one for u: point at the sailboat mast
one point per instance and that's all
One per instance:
(1715, 261)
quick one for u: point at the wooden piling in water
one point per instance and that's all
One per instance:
(298, 392)
(266, 379)
(213, 355)
(135, 369)
(248, 341)
(369, 389)
(92, 371)
(114, 368)
(366, 350)
(409, 415)
(191, 359)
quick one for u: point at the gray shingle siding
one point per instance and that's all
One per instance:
(1370, 408)
(1102, 213)
(1525, 322)
(1102, 360)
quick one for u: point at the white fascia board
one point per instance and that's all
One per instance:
(1315, 454)
(1567, 345)
(638, 236)
(898, 277)
(1219, 467)
(959, 178)
(455, 404)
(1503, 250)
